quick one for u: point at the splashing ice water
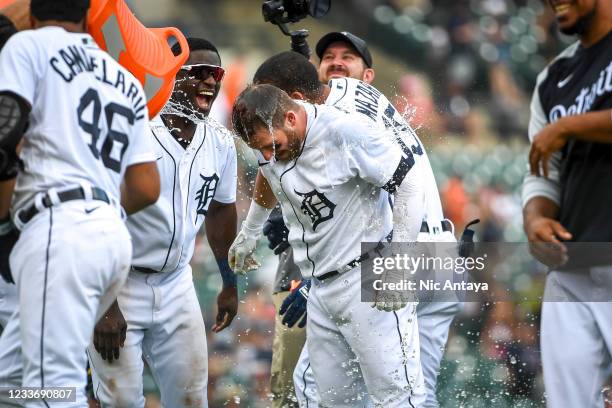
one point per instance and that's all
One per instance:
(193, 114)
(174, 108)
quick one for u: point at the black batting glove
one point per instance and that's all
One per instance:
(294, 305)
(276, 232)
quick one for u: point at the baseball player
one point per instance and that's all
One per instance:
(158, 305)
(289, 338)
(343, 54)
(291, 73)
(566, 198)
(10, 20)
(331, 203)
(87, 135)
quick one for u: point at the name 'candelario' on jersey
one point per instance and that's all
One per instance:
(74, 60)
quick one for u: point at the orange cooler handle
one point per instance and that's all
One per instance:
(4, 3)
(144, 52)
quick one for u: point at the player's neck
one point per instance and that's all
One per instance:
(66, 25)
(598, 29)
(181, 128)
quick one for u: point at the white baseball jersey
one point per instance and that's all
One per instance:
(102, 125)
(330, 194)
(164, 234)
(87, 125)
(355, 96)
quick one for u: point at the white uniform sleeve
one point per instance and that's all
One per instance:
(20, 66)
(409, 206)
(539, 186)
(141, 143)
(226, 193)
(375, 155)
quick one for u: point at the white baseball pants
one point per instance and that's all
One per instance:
(359, 355)
(68, 266)
(576, 337)
(165, 326)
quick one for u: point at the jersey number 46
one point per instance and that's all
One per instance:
(92, 98)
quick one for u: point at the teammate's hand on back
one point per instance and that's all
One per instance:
(8, 237)
(545, 237)
(109, 333)
(227, 306)
(277, 232)
(240, 255)
(294, 305)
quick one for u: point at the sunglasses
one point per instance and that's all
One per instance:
(203, 71)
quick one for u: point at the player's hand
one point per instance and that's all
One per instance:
(545, 237)
(8, 237)
(388, 301)
(227, 306)
(294, 305)
(277, 232)
(110, 333)
(549, 140)
(241, 254)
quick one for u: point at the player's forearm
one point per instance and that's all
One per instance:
(221, 225)
(263, 194)
(591, 127)
(6, 193)
(140, 188)
(538, 207)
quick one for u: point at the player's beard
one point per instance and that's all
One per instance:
(582, 25)
(294, 142)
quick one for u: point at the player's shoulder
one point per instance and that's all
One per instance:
(219, 135)
(342, 126)
(157, 124)
(343, 89)
(25, 40)
(558, 63)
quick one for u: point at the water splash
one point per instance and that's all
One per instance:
(194, 115)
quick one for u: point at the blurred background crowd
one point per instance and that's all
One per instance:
(462, 72)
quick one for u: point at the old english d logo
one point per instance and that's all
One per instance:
(317, 207)
(206, 193)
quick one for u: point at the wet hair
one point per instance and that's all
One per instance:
(260, 106)
(61, 10)
(196, 44)
(291, 72)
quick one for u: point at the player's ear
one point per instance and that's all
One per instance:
(297, 95)
(290, 118)
(368, 75)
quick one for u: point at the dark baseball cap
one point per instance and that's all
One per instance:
(360, 46)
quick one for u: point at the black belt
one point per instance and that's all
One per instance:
(144, 270)
(69, 195)
(445, 224)
(353, 263)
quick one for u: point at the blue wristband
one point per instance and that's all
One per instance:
(227, 275)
